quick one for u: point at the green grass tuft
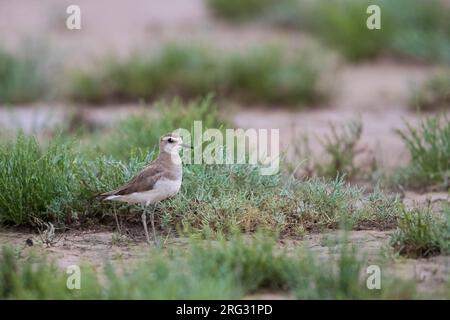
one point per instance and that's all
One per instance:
(420, 30)
(422, 233)
(271, 75)
(429, 148)
(236, 10)
(433, 94)
(409, 28)
(24, 76)
(260, 75)
(342, 24)
(340, 146)
(339, 154)
(36, 182)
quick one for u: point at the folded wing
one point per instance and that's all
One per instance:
(143, 181)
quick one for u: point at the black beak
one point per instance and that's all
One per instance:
(187, 146)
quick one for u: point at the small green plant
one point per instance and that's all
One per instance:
(291, 14)
(340, 150)
(422, 233)
(429, 150)
(273, 75)
(420, 30)
(24, 76)
(340, 146)
(347, 20)
(182, 70)
(433, 94)
(240, 10)
(409, 28)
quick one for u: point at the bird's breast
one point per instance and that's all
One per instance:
(168, 186)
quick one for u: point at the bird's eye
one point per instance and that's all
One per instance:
(170, 140)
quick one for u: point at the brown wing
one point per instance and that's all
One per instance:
(143, 181)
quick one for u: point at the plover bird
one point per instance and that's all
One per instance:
(159, 180)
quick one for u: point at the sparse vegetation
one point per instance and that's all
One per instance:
(419, 30)
(264, 74)
(347, 19)
(291, 14)
(218, 200)
(433, 94)
(422, 233)
(229, 269)
(412, 29)
(214, 199)
(340, 146)
(429, 149)
(409, 28)
(288, 13)
(340, 150)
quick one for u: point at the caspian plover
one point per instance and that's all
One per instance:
(160, 180)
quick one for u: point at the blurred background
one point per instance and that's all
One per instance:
(294, 65)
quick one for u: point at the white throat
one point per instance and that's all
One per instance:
(174, 154)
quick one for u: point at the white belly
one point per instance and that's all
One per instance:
(162, 189)
(170, 187)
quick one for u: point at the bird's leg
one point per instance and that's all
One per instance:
(152, 221)
(144, 222)
(119, 229)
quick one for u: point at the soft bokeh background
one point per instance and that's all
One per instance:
(366, 75)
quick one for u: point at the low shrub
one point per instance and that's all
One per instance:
(429, 150)
(422, 233)
(265, 74)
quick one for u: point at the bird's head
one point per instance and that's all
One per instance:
(171, 143)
